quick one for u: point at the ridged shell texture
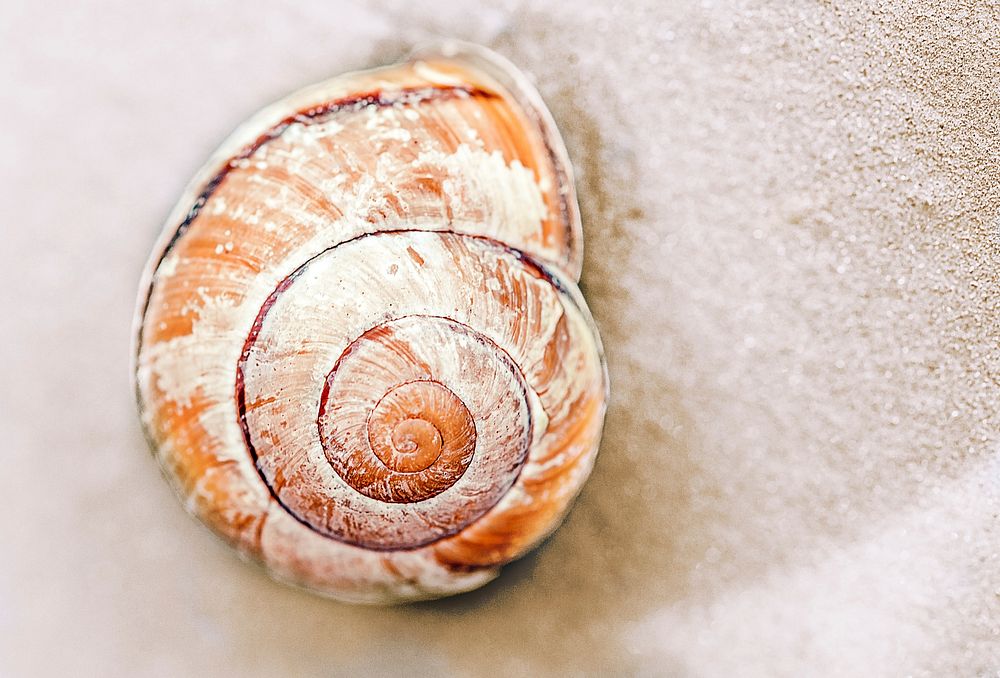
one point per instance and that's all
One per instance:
(360, 355)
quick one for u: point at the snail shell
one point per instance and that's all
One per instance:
(360, 353)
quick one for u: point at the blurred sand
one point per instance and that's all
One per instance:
(792, 212)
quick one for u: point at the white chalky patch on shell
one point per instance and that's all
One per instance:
(168, 266)
(516, 200)
(186, 364)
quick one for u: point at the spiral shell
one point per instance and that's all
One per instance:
(361, 356)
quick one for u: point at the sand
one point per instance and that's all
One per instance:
(792, 218)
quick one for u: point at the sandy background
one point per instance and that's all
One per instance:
(792, 213)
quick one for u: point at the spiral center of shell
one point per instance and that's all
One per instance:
(417, 438)
(423, 422)
(414, 423)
